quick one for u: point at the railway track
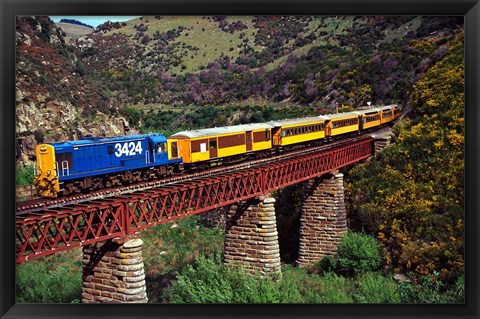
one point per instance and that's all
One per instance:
(42, 204)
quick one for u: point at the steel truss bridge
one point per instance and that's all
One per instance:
(51, 230)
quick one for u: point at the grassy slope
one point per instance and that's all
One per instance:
(73, 30)
(210, 43)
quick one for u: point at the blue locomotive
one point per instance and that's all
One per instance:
(94, 163)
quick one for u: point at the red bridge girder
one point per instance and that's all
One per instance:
(45, 233)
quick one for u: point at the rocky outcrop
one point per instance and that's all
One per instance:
(54, 121)
(54, 100)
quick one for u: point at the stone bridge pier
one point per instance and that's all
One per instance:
(251, 237)
(113, 272)
(323, 219)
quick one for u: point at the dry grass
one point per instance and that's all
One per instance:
(73, 30)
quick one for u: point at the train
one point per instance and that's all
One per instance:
(93, 163)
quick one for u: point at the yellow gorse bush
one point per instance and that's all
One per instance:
(411, 195)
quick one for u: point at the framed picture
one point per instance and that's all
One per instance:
(340, 96)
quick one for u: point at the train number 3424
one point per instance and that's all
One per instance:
(128, 149)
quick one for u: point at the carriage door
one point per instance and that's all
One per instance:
(212, 144)
(277, 136)
(174, 150)
(328, 128)
(248, 139)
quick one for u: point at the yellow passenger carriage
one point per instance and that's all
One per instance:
(342, 123)
(369, 118)
(222, 144)
(296, 131)
(387, 113)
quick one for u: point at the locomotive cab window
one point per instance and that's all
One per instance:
(161, 147)
(64, 160)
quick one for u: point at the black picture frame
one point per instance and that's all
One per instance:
(470, 9)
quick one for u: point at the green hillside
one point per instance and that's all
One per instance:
(327, 61)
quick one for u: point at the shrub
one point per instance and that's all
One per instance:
(334, 289)
(80, 67)
(376, 288)
(357, 253)
(39, 136)
(208, 281)
(133, 115)
(35, 283)
(411, 195)
(24, 175)
(430, 289)
(327, 264)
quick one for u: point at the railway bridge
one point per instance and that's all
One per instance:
(108, 227)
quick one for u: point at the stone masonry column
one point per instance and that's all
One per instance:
(323, 219)
(113, 272)
(251, 237)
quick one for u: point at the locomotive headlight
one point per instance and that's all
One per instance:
(43, 149)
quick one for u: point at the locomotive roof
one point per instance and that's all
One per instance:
(97, 140)
(222, 130)
(285, 122)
